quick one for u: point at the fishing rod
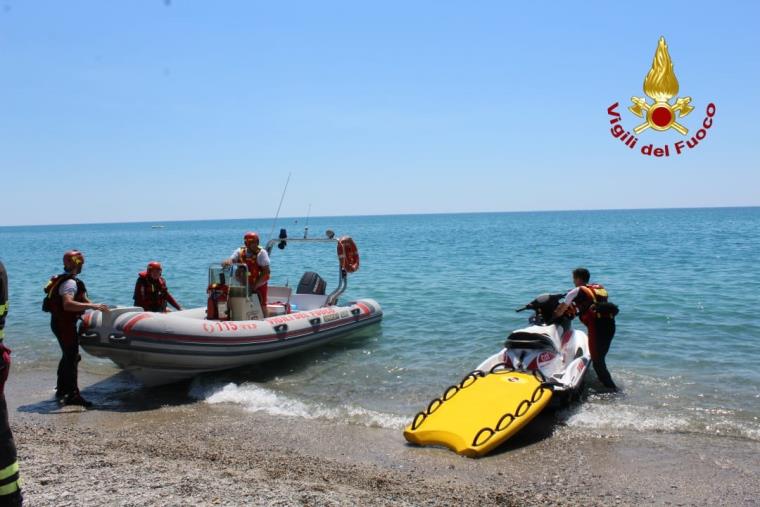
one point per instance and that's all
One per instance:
(277, 215)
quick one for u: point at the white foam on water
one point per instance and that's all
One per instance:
(625, 417)
(638, 418)
(255, 398)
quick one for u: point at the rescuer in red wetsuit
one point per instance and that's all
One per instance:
(590, 302)
(151, 292)
(66, 300)
(256, 259)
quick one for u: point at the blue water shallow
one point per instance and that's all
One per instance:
(687, 282)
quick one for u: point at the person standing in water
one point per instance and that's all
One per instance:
(10, 485)
(66, 300)
(590, 302)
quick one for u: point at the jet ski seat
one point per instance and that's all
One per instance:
(523, 340)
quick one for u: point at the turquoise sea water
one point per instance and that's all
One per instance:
(687, 281)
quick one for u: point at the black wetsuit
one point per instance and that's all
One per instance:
(10, 489)
(601, 331)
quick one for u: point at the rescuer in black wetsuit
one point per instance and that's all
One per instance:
(589, 301)
(10, 487)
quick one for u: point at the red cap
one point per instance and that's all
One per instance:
(154, 265)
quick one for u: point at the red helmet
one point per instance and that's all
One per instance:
(73, 258)
(250, 237)
(154, 265)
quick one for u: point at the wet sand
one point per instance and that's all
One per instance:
(160, 447)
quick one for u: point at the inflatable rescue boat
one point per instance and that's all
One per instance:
(506, 391)
(161, 348)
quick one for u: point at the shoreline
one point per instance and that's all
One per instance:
(161, 447)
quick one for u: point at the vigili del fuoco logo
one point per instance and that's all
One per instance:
(662, 115)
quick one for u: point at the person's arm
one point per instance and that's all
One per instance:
(137, 296)
(232, 259)
(569, 298)
(170, 299)
(262, 278)
(262, 259)
(70, 305)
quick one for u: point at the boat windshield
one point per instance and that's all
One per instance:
(234, 276)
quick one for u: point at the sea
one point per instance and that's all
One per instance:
(687, 282)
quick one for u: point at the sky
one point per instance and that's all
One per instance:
(181, 110)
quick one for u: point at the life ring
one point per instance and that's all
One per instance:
(348, 254)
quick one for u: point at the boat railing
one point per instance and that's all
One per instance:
(282, 242)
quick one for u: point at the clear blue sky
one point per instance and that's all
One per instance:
(153, 110)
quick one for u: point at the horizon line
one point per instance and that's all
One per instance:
(432, 213)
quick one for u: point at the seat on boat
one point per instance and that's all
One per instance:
(526, 340)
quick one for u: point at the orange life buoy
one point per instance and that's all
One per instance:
(348, 254)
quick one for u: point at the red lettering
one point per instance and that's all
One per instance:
(611, 111)
(710, 109)
(679, 145)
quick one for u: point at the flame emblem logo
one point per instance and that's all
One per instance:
(661, 86)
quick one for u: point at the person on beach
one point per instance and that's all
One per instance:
(256, 259)
(10, 485)
(66, 300)
(590, 302)
(151, 292)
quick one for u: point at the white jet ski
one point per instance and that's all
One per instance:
(555, 350)
(545, 361)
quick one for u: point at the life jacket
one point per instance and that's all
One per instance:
(594, 304)
(53, 301)
(152, 297)
(253, 266)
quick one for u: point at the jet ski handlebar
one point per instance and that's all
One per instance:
(542, 301)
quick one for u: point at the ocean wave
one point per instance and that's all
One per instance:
(255, 398)
(646, 419)
(624, 417)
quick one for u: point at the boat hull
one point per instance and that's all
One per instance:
(159, 349)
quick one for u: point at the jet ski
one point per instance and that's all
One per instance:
(544, 361)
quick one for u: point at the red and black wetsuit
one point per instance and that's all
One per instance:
(601, 328)
(10, 487)
(152, 295)
(64, 326)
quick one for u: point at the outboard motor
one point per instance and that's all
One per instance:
(311, 283)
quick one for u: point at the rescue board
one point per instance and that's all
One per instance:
(481, 412)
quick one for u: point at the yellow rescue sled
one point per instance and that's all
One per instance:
(482, 411)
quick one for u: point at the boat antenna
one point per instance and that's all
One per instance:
(306, 229)
(277, 215)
